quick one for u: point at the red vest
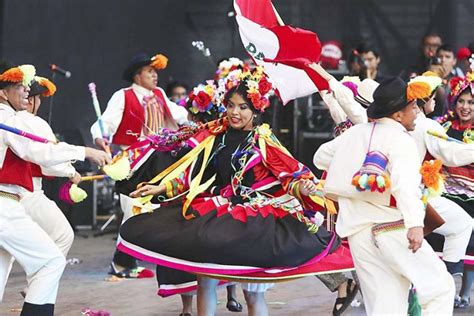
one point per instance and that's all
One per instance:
(16, 171)
(37, 173)
(133, 118)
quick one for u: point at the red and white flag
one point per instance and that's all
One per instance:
(283, 51)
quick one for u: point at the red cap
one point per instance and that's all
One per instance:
(331, 53)
(463, 53)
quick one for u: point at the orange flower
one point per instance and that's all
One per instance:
(418, 90)
(431, 174)
(12, 75)
(51, 87)
(159, 62)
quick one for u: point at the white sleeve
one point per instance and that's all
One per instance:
(42, 154)
(111, 117)
(452, 154)
(404, 167)
(337, 113)
(66, 169)
(323, 156)
(344, 96)
(179, 113)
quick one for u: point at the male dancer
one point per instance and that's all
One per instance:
(20, 236)
(386, 238)
(131, 113)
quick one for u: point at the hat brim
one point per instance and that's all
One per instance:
(130, 71)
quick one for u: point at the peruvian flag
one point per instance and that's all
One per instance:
(283, 51)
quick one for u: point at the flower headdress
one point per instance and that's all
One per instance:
(258, 86)
(46, 84)
(206, 98)
(23, 74)
(423, 87)
(228, 65)
(459, 84)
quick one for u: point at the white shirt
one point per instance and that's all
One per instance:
(45, 155)
(342, 105)
(343, 157)
(113, 114)
(42, 128)
(452, 154)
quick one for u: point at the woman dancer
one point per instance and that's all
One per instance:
(460, 180)
(249, 205)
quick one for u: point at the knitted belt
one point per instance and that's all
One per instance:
(385, 228)
(9, 195)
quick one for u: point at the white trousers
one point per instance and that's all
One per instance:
(51, 219)
(24, 240)
(386, 271)
(456, 230)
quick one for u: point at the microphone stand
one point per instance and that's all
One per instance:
(50, 114)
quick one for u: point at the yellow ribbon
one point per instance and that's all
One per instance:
(180, 166)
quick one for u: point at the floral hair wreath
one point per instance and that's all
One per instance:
(23, 74)
(228, 65)
(207, 98)
(258, 86)
(459, 84)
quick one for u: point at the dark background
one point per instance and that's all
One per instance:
(95, 39)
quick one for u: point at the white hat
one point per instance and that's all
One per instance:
(365, 92)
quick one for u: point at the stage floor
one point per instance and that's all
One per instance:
(83, 285)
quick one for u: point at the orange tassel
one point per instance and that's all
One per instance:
(355, 180)
(159, 62)
(51, 87)
(12, 75)
(418, 90)
(431, 173)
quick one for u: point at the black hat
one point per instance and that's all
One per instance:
(36, 89)
(389, 97)
(140, 60)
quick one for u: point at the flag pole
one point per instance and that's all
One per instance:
(280, 21)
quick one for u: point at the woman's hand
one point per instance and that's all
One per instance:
(148, 189)
(307, 187)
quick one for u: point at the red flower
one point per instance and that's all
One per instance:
(264, 86)
(202, 99)
(264, 103)
(255, 98)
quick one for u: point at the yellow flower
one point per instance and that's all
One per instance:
(264, 130)
(209, 90)
(470, 76)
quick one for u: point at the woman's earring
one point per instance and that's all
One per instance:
(255, 116)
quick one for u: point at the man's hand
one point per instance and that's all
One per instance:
(99, 157)
(415, 238)
(76, 178)
(102, 144)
